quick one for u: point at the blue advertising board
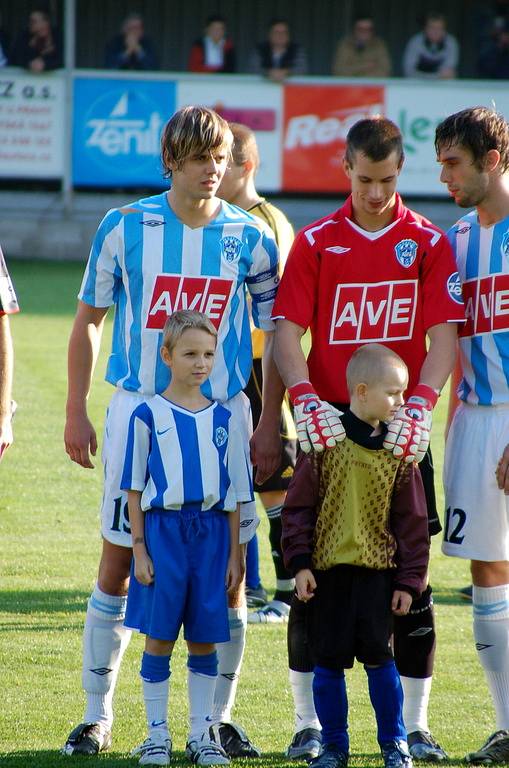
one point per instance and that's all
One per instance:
(117, 130)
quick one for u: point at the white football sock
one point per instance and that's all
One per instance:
(156, 705)
(416, 691)
(301, 684)
(491, 633)
(230, 661)
(104, 642)
(200, 689)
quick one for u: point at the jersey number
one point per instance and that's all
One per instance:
(120, 516)
(456, 517)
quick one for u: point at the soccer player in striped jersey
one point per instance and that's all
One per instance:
(184, 470)
(238, 187)
(473, 149)
(373, 271)
(8, 306)
(182, 249)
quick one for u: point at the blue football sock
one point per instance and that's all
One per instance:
(386, 696)
(331, 703)
(253, 580)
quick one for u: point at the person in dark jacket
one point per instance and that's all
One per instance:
(39, 47)
(355, 536)
(278, 57)
(131, 49)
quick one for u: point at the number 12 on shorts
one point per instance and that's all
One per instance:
(454, 522)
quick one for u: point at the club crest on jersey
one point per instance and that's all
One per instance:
(454, 288)
(231, 247)
(406, 252)
(221, 436)
(504, 247)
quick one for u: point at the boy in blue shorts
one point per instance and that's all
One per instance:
(183, 471)
(355, 535)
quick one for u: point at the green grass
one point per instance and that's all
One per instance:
(50, 545)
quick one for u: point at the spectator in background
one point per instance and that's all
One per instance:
(5, 46)
(131, 49)
(362, 53)
(213, 52)
(432, 53)
(494, 59)
(39, 48)
(278, 57)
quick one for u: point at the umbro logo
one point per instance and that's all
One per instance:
(246, 523)
(101, 671)
(337, 249)
(482, 646)
(152, 223)
(229, 675)
(420, 632)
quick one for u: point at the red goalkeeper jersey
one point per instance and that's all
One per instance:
(350, 287)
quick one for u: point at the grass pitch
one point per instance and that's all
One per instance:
(49, 527)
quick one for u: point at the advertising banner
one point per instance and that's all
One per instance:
(117, 130)
(32, 120)
(417, 108)
(316, 121)
(253, 102)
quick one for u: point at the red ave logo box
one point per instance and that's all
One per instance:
(373, 312)
(209, 295)
(486, 305)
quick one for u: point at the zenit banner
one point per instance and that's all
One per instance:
(117, 131)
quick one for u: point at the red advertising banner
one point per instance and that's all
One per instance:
(317, 119)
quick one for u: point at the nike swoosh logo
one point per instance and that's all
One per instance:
(337, 249)
(163, 431)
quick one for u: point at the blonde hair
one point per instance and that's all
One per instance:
(193, 131)
(369, 364)
(184, 320)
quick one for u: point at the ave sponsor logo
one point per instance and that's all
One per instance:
(486, 305)
(373, 312)
(209, 295)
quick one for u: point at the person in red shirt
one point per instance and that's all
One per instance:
(213, 52)
(373, 271)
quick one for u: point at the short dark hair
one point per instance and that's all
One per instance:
(213, 18)
(477, 129)
(375, 137)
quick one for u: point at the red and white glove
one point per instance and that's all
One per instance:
(408, 433)
(318, 424)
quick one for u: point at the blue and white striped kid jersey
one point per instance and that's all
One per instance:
(149, 264)
(178, 457)
(482, 256)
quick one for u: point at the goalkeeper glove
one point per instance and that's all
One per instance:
(408, 433)
(318, 424)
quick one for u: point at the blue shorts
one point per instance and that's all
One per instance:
(189, 550)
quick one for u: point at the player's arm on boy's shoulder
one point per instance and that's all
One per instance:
(409, 524)
(235, 568)
(299, 513)
(79, 435)
(143, 566)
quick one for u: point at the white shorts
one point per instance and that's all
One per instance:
(476, 524)
(115, 526)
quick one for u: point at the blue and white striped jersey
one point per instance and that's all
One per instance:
(178, 457)
(482, 256)
(147, 263)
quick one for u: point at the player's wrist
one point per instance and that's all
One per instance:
(424, 395)
(301, 391)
